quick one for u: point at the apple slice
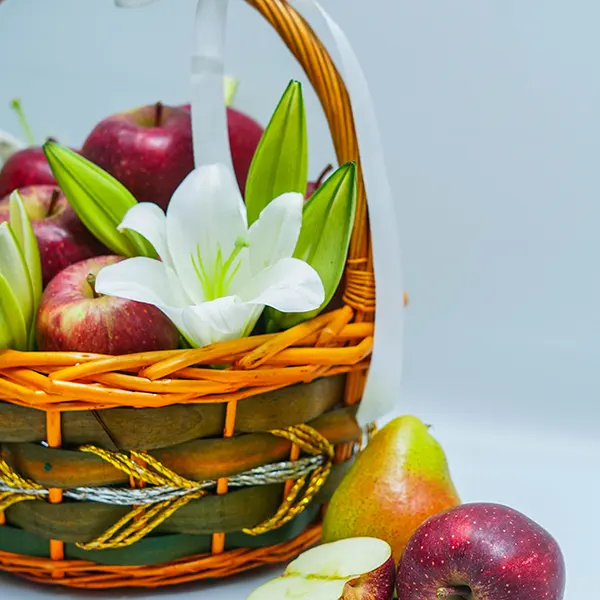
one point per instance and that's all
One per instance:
(350, 569)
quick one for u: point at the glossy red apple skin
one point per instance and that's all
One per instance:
(148, 149)
(61, 236)
(72, 319)
(498, 552)
(244, 136)
(24, 168)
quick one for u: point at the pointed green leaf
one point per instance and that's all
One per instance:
(98, 198)
(13, 332)
(280, 163)
(14, 270)
(324, 239)
(23, 232)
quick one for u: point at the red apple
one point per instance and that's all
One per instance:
(72, 317)
(481, 552)
(148, 149)
(350, 569)
(61, 236)
(244, 136)
(24, 168)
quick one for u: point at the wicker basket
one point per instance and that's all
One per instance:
(154, 469)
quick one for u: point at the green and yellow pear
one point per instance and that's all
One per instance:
(398, 481)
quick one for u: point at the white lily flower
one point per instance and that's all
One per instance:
(9, 144)
(216, 274)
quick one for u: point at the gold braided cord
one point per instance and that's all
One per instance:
(311, 441)
(9, 498)
(141, 520)
(12, 478)
(155, 473)
(138, 523)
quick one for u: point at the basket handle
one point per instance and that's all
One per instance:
(382, 387)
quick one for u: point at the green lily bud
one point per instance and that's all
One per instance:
(99, 200)
(324, 239)
(20, 278)
(280, 163)
(27, 242)
(13, 331)
(16, 299)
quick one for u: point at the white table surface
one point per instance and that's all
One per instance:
(553, 478)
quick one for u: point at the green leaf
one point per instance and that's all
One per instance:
(280, 163)
(99, 200)
(324, 239)
(13, 331)
(23, 232)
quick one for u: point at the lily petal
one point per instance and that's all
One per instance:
(205, 218)
(275, 234)
(144, 280)
(149, 221)
(225, 318)
(290, 285)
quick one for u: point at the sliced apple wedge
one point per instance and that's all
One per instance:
(350, 569)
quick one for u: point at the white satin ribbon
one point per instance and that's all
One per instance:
(209, 114)
(385, 376)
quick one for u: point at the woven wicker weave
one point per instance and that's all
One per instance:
(167, 418)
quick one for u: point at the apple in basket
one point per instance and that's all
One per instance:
(24, 168)
(61, 236)
(149, 149)
(73, 317)
(350, 569)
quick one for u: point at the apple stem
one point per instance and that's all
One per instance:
(18, 108)
(91, 279)
(52, 205)
(158, 114)
(454, 593)
(322, 176)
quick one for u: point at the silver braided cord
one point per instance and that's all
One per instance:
(274, 473)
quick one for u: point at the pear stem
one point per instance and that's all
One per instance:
(91, 279)
(18, 108)
(455, 593)
(158, 114)
(52, 205)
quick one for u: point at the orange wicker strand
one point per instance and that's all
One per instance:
(218, 539)
(53, 428)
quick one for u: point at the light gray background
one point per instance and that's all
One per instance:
(489, 111)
